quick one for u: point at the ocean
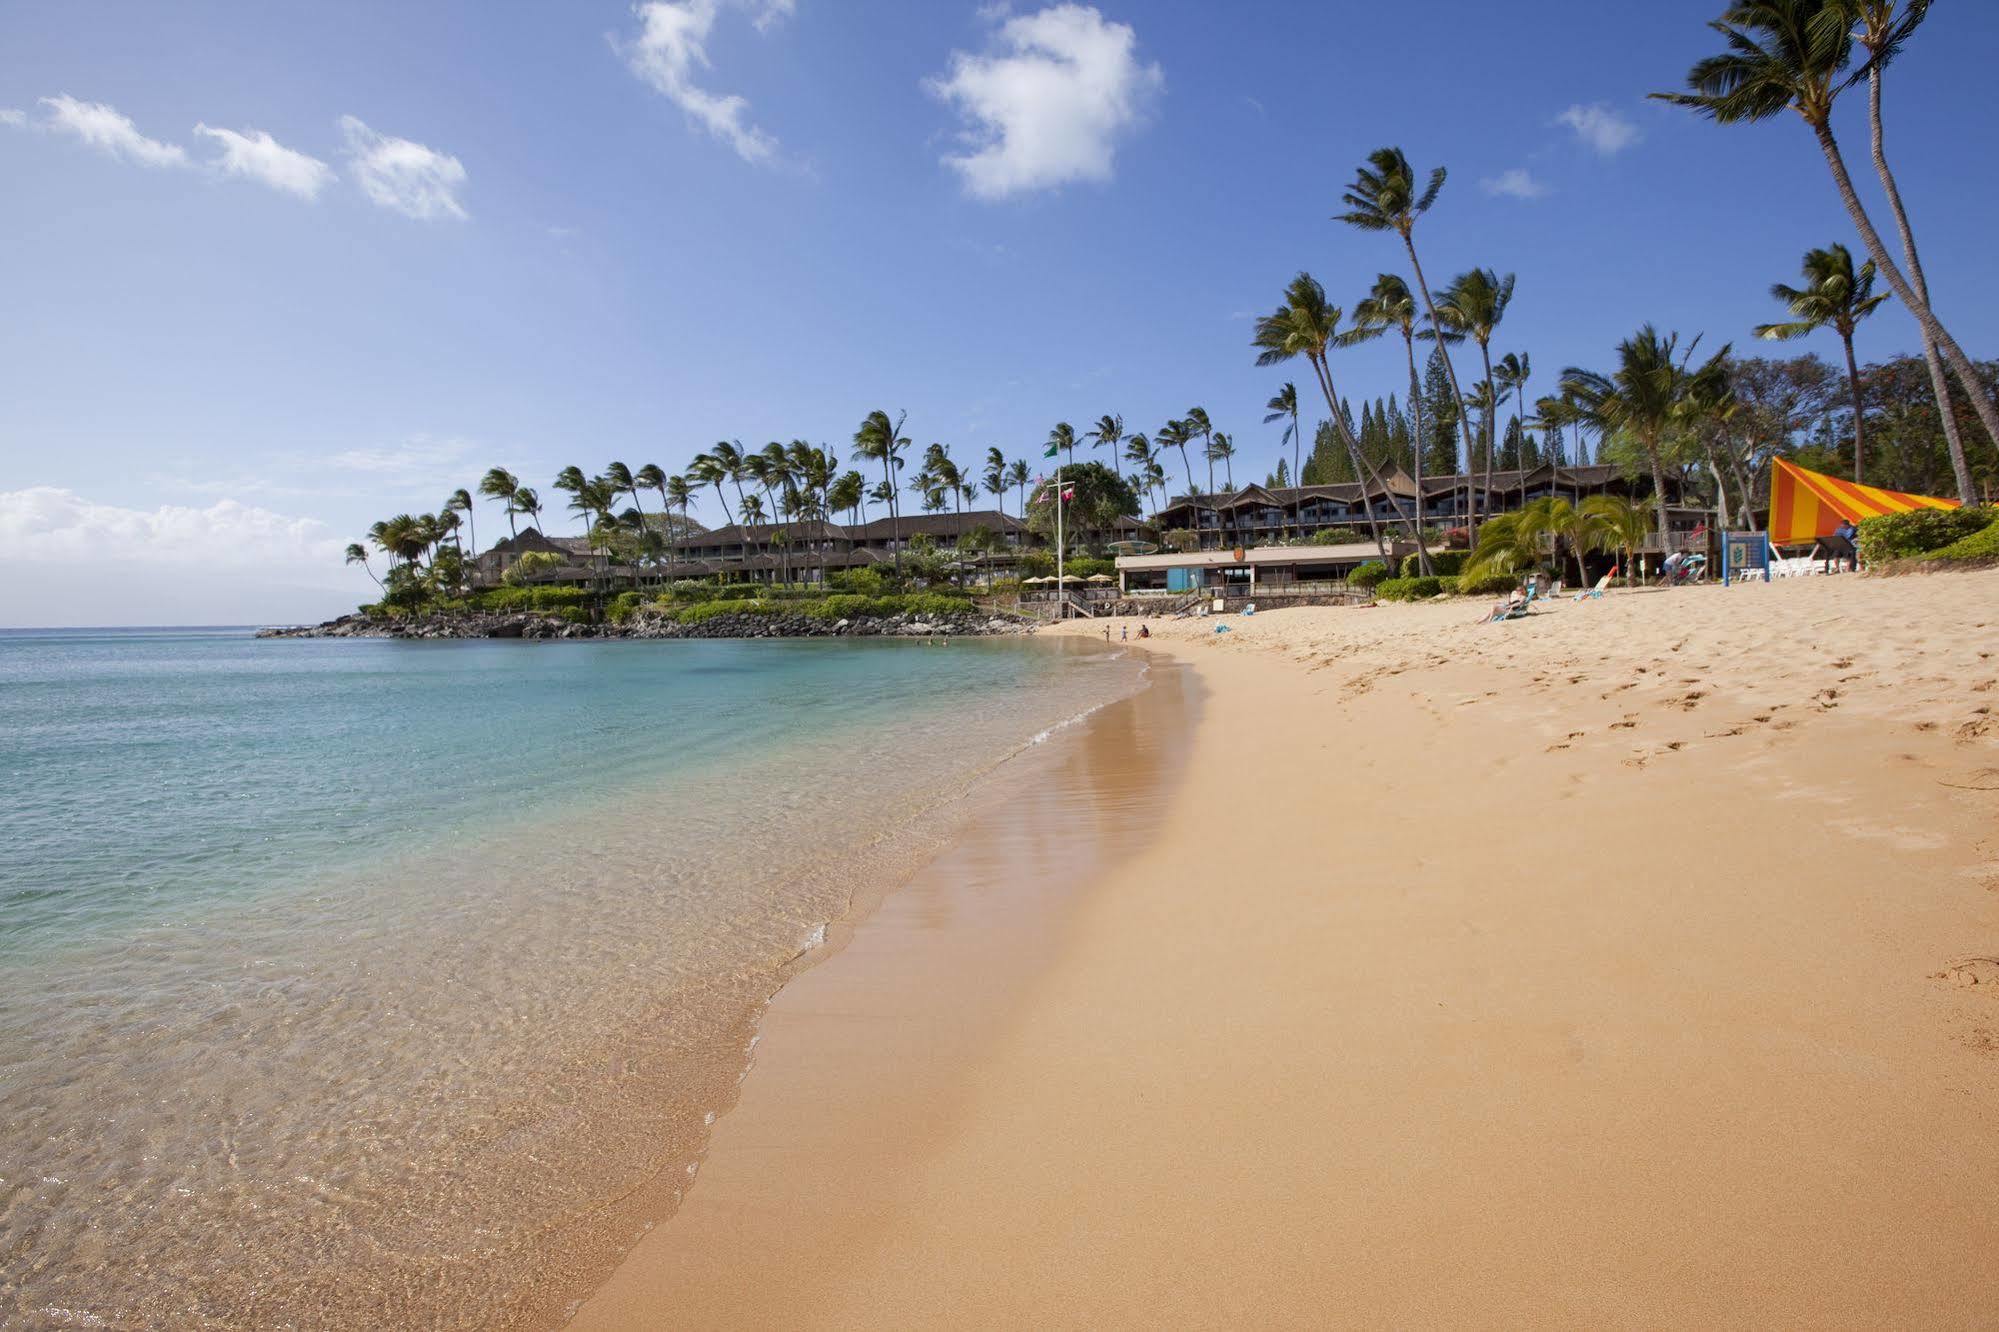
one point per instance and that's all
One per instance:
(352, 981)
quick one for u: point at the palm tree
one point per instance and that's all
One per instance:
(1882, 30)
(358, 554)
(571, 481)
(502, 485)
(1383, 197)
(1283, 405)
(1791, 54)
(1834, 296)
(652, 478)
(1197, 423)
(1473, 305)
(1107, 433)
(1305, 325)
(847, 494)
(679, 490)
(1063, 438)
(1390, 304)
(1618, 524)
(528, 503)
(1642, 397)
(624, 483)
(1174, 435)
(461, 502)
(1138, 451)
(1222, 449)
(1018, 474)
(1513, 371)
(881, 440)
(995, 476)
(709, 470)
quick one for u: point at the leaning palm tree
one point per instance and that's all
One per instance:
(1643, 397)
(1175, 435)
(527, 504)
(1556, 517)
(571, 481)
(1383, 197)
(1390, 304)
(1473, 305)
(679, 491)
(1138, 451)
(502, 485)
(1884, 25)
(1838, 297)
(1305, 325)
(995, 476)
(1792, 55)
(652, 478)
(881, 440)
(358, 554)
(847, 494)
(461, 502)
(705, 469)
(624, 483)
(1283, 406)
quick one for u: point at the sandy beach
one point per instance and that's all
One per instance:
(1632, 964)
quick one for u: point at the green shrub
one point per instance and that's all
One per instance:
(1899, 536)
(1442, 562)
(1369, 574)
(840, 606)
(1480, 585)
(1335, 536)
(1448, 584)
(1083, 566)
(624, 606)
(1981, 547)
(704, 611)
(1408, 589)
(862, 582)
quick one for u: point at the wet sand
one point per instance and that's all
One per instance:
(1633, 964)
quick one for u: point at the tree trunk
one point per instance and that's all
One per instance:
(1457, 394)
(1353, 452)
(1960, 469)
(1416, 406)
(1859, 417)
(1967, 374)
(1297, 448)
(1658, 488)
(1491, 420)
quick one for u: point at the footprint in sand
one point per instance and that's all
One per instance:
(1967, 972)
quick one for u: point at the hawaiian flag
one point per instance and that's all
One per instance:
(1069, 494)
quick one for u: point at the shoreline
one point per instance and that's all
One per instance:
(1629, 964)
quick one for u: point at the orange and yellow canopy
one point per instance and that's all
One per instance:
(1807, 505)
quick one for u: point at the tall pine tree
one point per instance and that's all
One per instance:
(1440, 420)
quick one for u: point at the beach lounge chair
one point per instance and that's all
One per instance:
(1249, 608)
(1597, 591)
(1512, 610)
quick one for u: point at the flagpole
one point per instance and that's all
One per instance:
(1061, 547)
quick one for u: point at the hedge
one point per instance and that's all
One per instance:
(1369, 574)
(1981, 547)
(1484, 584)
(1408, 589)
(1442, 562)
(1899, 536)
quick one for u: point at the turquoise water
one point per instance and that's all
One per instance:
(347, 979)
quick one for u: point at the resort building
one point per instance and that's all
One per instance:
(1259, 515)
(1250, 571)
(794, 552)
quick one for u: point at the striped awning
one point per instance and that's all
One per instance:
(1807, 505)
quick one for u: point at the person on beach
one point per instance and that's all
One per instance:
(1847, 532)
(1144, 631)
(1123, 633)
(1107, 633)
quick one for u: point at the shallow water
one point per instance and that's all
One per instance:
(346, 982)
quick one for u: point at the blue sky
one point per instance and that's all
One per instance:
(537, 235)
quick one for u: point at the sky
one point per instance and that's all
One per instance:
(269, 273)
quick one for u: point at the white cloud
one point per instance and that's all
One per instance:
(673, 44)
(1600, 127)
(1514, 183)
(10, 116)
(44, 524)
(103, 127)
(402, 176)
(256, 154)
(1050, 105)
(420, 458)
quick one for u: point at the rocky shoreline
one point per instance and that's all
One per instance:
(651, 625)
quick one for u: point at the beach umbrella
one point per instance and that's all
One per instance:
(1100, 578)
